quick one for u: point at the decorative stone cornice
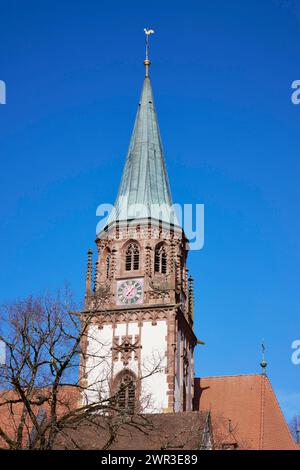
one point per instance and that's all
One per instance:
(134, 308)
(137, 316)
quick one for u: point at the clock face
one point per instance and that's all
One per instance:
(130, 291)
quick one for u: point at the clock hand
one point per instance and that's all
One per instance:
(129, 292)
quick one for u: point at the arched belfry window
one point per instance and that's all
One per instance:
(132, 257)
(160, 260)
(125, 386)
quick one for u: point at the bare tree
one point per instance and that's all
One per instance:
(226, 434)
(294, 426)
(40, 386)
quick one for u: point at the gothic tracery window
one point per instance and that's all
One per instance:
(132, 258)
(160, 261)
(126, 392)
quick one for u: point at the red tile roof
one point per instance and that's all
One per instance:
(244, 411)
(10, 413)
(190, 430)
(163, 431)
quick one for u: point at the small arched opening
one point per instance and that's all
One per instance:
(124, 389)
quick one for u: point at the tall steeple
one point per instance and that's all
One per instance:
(144, 191)
(142, 297)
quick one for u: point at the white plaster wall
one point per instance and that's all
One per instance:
(154, 349)
(99, 360)
(153, 356)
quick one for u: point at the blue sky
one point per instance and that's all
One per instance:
(221, 73)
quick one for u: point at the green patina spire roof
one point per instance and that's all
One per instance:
(144, 190)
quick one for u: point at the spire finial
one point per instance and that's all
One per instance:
(263, 363)
(147, 61)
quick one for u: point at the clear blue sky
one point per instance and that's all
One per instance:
(221, 73)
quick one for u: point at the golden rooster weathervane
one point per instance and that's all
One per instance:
(147, 61)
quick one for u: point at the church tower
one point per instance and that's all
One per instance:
(142, 297)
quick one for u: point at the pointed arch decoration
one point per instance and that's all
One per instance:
(124, 387)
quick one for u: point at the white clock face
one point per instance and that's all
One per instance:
(130, 291)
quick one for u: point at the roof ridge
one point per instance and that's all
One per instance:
(229, 375)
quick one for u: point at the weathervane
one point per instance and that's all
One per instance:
(263, 363)
(147, 61)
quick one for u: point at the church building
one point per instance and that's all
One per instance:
(142, 296)
(137, 346)
(141, 341)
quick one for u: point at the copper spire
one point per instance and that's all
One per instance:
(144, 191)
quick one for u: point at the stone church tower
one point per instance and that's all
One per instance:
(142, 297)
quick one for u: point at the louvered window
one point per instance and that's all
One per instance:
(126, 394)
(160, 261)
(132, 258)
